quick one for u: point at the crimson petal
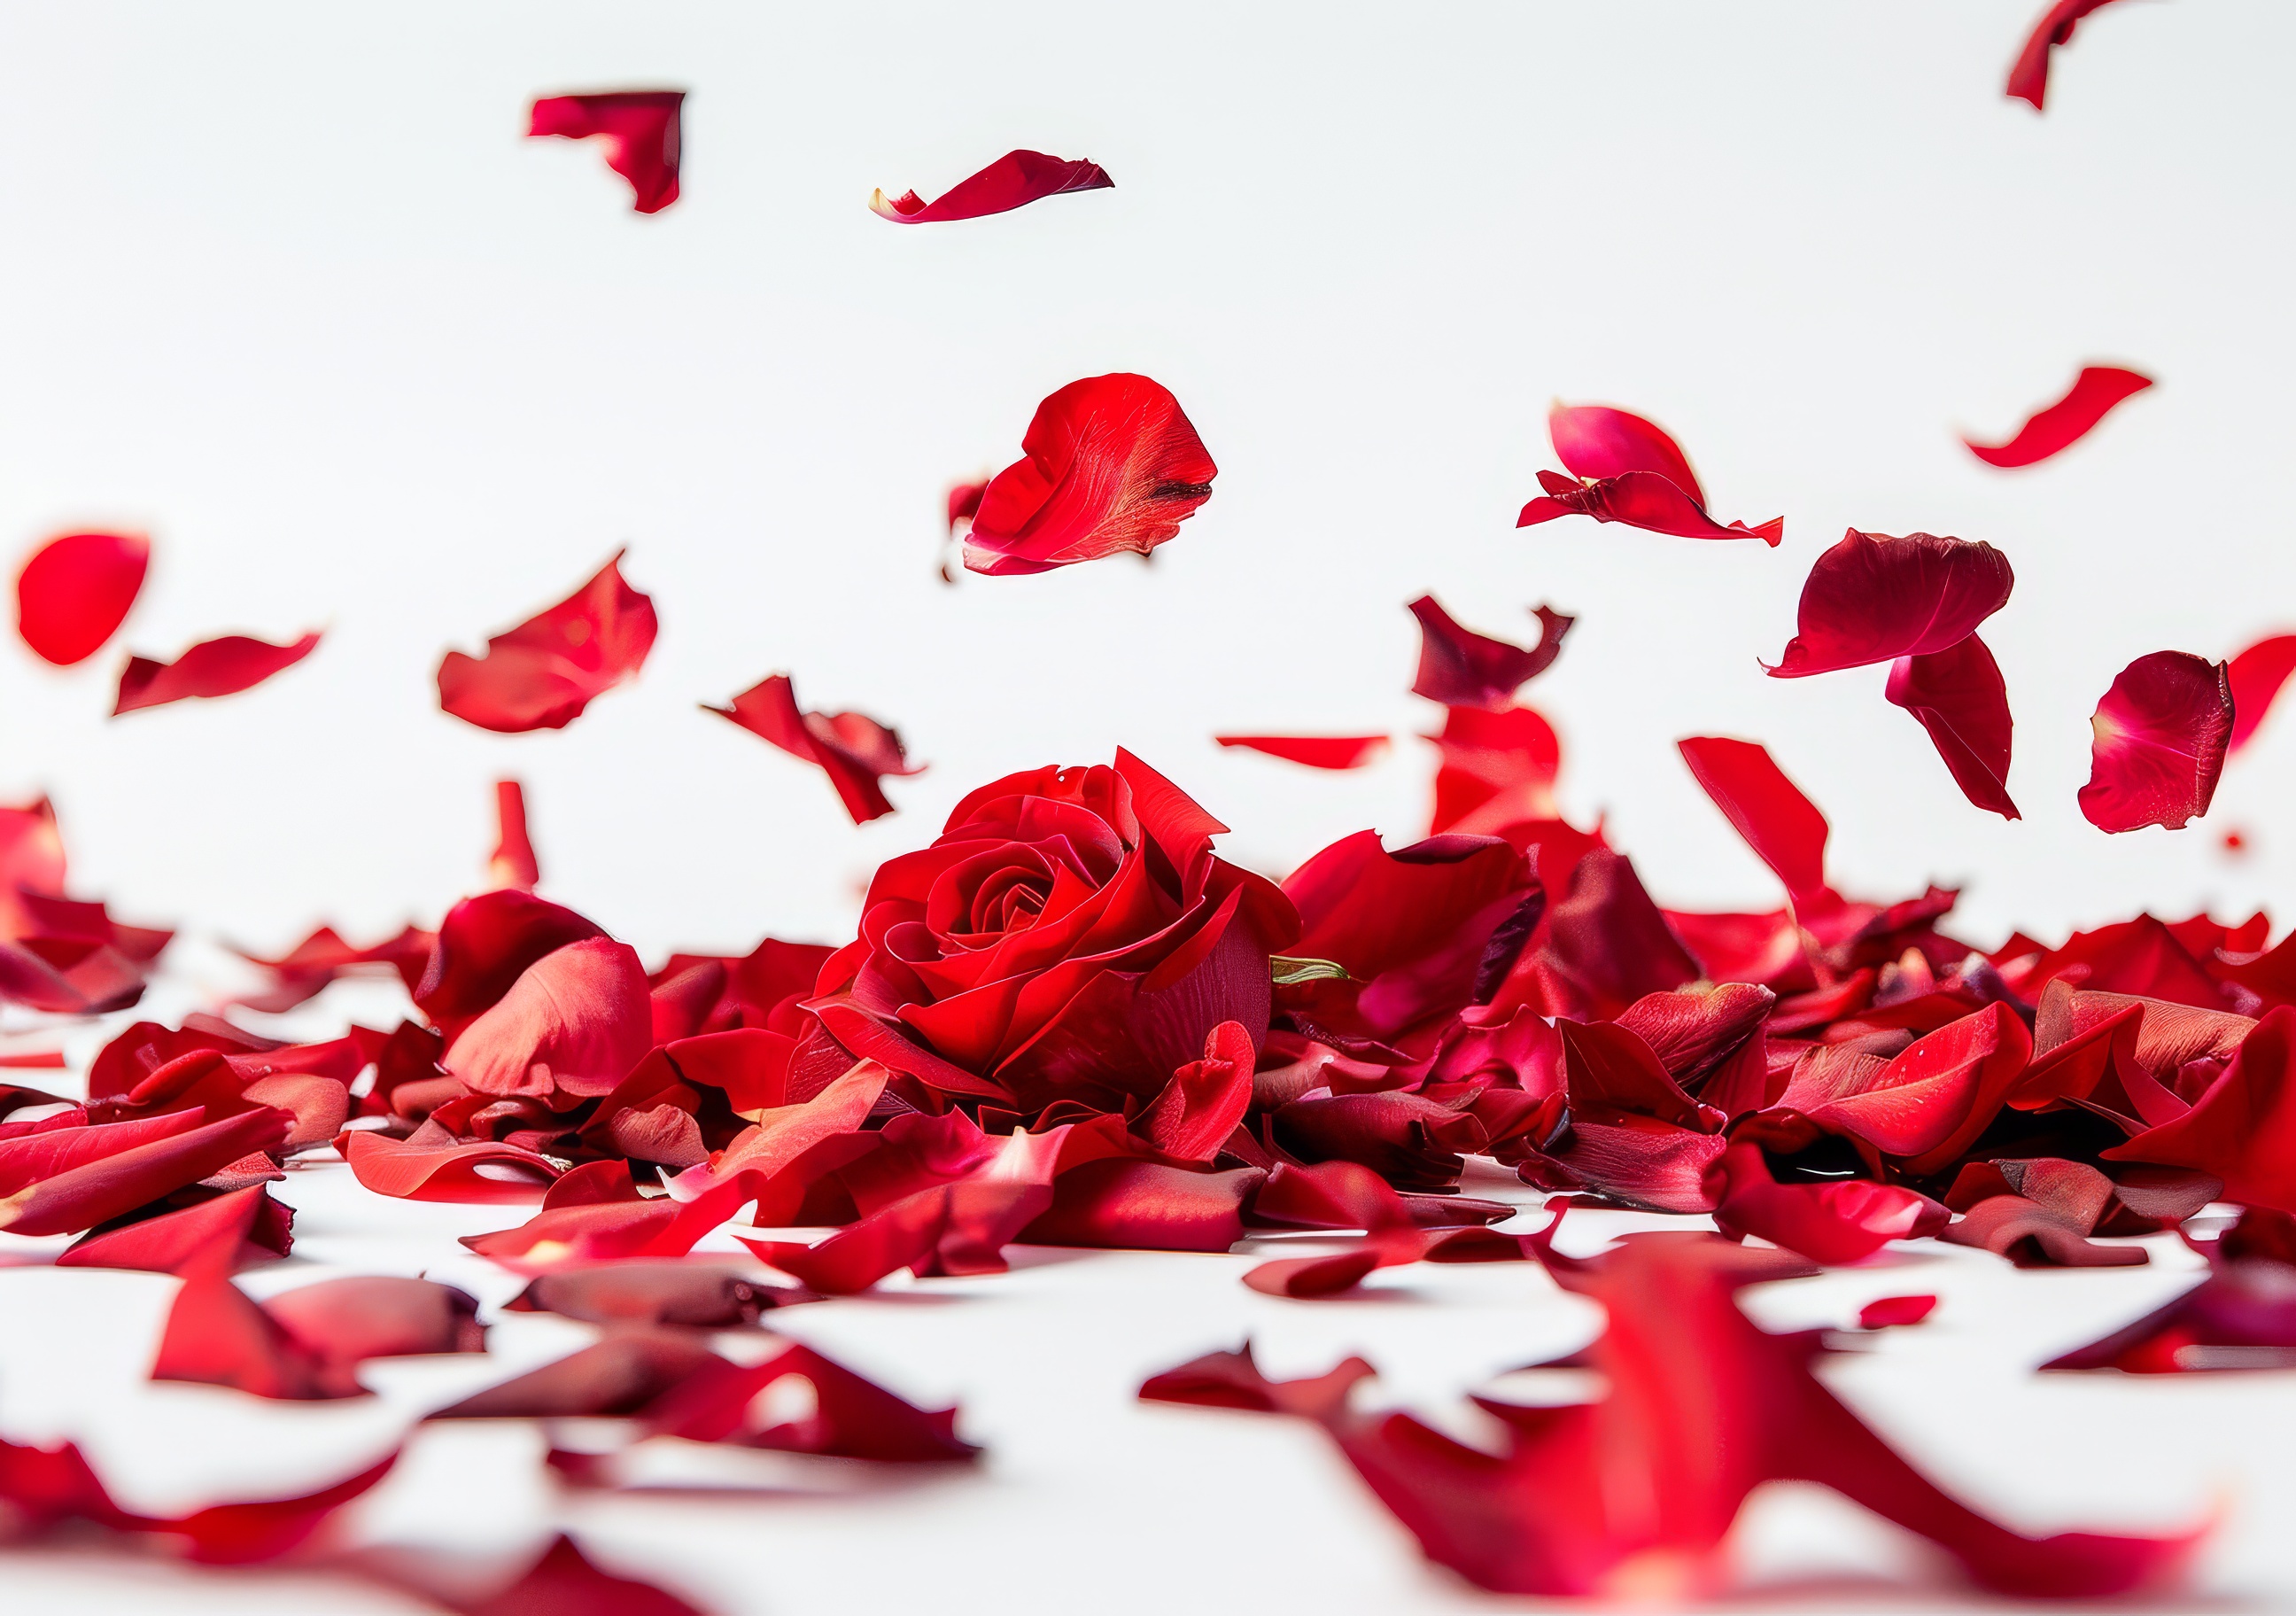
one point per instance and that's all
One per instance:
(76, 591)
(1959, 697)
(640, 130)
(853, 750)
(1784, 827)
(543, 673)
(2094, 393)
(2159, 741)
(1014, 180)
(1314, 751)
(1461, 668)
(2029, 77)
(1873, 598)
(213, 667)
(2257, 675)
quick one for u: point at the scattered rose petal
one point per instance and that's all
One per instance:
(853, 750)
(1315, 751)
(2094, 391)
(1014, 180)
(1112, 465)
(2029, 77)
(695, 1295)
(2256, 676)
(543, 673)
(1461, 668)
(1959, 697)
(213, 667)
(74, 592)
(1829, 1223)
(1873, 598)
(1629, 471)
(2160, 737)
(223, 1233)
(1893, 1312)
(849, 1417)
(639, 130)
(951, 1228)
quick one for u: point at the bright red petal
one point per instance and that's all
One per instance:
(75, 592)
(1315, 751)
(1960, 698)
(1461, 668)
(2028, 77)
(543, 673)
(1014, 180)
(852, 749)
(1873, 598)
(1639, 499)
(639, 129)
(511, 863)
(1784, 827)
(1595, 442)
(1112, 465)
(213, 667)
(2159, 741)
(2257, 675)
(2094, 391)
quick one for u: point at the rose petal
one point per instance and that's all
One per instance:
(695, 1295)
(1893, 1312)
(850, 1417)
(511, 863)
(952, 1228)
(2159, 740)
(574, 1023)
(1315, 751)
(854, 750)
(1461, 668)
(543, 673)
(1959, 698)
(639, 131)
(213, 667)
(2094, 393)
(222, 1234)
(1873, 598)
(74, 592)
(2029, 77)
(1784, 827)
(2256, 676)
(1595, 442)
(1639, 499)
(1112, 465)
(1014, 180)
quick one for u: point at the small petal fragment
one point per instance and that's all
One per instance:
(213, 667)
(1461, 668)
(2094, 391)
(511, 863)
(1112, 465)
(76, 591)
(2029, 77)
(2159, 738)
(1014, 180)
(1873, 598)
(852, 749)
(1959, 697)
(640, 130)
(2257, 675)
(1314, 751)
(543, 673)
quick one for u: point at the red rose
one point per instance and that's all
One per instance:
(1070, 936)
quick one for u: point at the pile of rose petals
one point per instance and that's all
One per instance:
(1068, 1020)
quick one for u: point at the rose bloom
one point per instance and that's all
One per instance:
(1068, 942)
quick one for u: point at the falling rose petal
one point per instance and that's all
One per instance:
(2159, 741)
(1784, 827)
(2094, 391)
(2029, 77)
(1112, 465)
(543, 673)
(213, 667)
(1639, 499)
(1595, 442)
(1959, 696)
(853, 750)
(1312, 751)
(964, 504)
(1873, 598)
(639, 130)
(1014, 180)
(511, 863)
(2256, 676)
(1461, 668)
(1893, 1312)
(75, 592)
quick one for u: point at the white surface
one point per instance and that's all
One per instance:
(283, 286)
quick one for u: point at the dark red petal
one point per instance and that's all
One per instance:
(854, 750)
(511, 863)
(2094, 391)
(1461, 668)
(1144, 1204)
(1841, 1222)
(696, 1295)
(1303, 1278)
(2159, 741)
(1959, 697)
(1887, 1312)
(2029, 77)
(2257, 675)
(639, 130)
(1593, 441)
(950, 1228)
(348, 1321)
(1014, 180)
(852, 1418)
(1640, 499)
(564, 1583)
(620, 1374)
(483, 945)
(216, 1335)
(1873, 598)
(75, 592)
(1784, 827)
(543, 673)
(1112, 465)
(1315, 751)
(112, 1185)
(213, 667)
(2243, 1129)
(223, 1235)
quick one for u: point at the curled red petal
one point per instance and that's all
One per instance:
(1314, 751)
(213, 667)
(1461, 668)
(2256, 676)
(2158, 739)
(2243, 1129)
(543, 673)
(1639, 499)
(1014, 180)
(853, 750)
(224, 1233)
(695, 1295)
(640, 131)
(2094, 393)
(1842, 1221)
(483, 1171)
(1893, 1312)
(1959, 697)
(1873, 598)
(1594, 441)
(74, 592)
(2029, 76)
(511, 863)
(1206, 1100)
(849, 1417)
(1303, 1278)
(1145, 1205)
(618, 1375)
(950, 1228)
(1112, 465)
(586, 1232)
(1784, 827)
(574, 1023)
(95, 1192)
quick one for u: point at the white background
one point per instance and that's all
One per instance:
(283, 286)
